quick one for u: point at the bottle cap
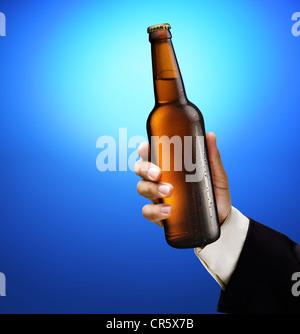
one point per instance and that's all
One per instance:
(159, 27)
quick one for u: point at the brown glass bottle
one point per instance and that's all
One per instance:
(174, 119)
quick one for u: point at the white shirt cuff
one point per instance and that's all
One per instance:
(220, 258)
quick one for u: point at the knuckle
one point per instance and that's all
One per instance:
(144, 167)
(137, 167)
(145, 211)
(138, 186)
(148, 212)
(147, 189)
(225, 177)
(150, 190)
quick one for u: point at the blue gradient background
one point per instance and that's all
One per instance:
(73, 239)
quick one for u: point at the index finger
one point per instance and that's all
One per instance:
(144, 151)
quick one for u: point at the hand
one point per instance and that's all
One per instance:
(152, 188)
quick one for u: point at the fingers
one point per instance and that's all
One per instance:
(157, 212)
(147, 170)
(153, 191)
(144, 151)
(150, 187)
(143, 167)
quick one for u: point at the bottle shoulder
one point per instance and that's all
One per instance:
(185, 111)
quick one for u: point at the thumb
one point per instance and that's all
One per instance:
(219, 175)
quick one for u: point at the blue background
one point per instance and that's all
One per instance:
(73, 239)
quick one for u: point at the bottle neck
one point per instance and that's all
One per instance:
(168, 84)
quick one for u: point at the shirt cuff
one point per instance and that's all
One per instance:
(220, 258)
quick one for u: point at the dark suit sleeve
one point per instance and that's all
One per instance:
(262, 280)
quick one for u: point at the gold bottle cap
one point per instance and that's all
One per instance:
(159, 27)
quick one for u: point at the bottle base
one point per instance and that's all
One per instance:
(183, 242)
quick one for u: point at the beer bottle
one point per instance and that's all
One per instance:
(176, 133)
